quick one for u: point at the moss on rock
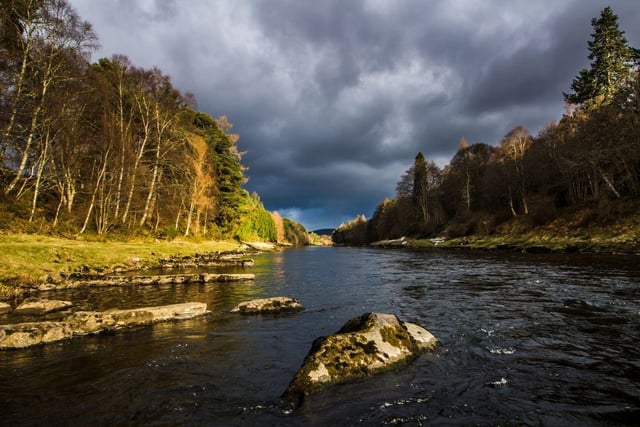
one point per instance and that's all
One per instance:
(23, 335)
(365, 345)
(268, 305)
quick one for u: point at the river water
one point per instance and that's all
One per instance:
(525, 340)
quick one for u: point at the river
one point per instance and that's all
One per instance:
(525, 340)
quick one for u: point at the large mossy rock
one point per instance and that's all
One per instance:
(271, 305)
(22, 335)
(371, 343)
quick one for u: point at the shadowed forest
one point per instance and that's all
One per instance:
(586, 166)
(110, 148)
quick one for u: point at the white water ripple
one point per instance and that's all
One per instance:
(498, 350)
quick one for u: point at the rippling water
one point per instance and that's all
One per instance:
(526, 340)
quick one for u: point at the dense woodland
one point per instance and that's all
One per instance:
(110, 148)
(589, 160)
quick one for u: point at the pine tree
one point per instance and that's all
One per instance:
(611, 62)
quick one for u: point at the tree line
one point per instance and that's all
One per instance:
(109, 147)
(590, 157)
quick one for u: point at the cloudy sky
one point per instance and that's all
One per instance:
(333, 98)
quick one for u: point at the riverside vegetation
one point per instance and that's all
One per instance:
(31, 259)
(109, 161)
(573, 187)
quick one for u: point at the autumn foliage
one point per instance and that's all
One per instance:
(108, 147)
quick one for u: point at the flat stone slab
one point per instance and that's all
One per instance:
(22, 335)
(141, 280)
(268, 305)
(365, 345)
(41, 306)
(4, 308)
(260, 246)
(211, 259)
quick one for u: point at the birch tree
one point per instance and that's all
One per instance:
(54, 36)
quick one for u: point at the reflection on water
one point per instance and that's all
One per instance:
(526, 340)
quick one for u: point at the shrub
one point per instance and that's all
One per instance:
(256, 222)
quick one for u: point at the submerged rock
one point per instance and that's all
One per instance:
(41, 306)
(268, 305)
(23, 335)
(365, 345)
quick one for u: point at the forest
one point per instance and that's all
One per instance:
(588, 161)
(110, 148)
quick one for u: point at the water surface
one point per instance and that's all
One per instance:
(526, 340)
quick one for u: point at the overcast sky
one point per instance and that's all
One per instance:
(333, 99)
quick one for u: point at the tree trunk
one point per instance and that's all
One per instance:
(610, 185)
(179, 215)
(27, 148)
(467, 194)
(41, 165)
(120, 180)
(189, 216)
(206, 212)
(155, 227)
(124, 132)
(152, 187)
(143, 108)
(18, 94)
(93, 196)
(55, 219)
(46, 82)
(511, 206)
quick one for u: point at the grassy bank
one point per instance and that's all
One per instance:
(585, 231)
(535, 243)
(26, 258)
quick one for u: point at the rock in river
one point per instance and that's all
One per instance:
(23, 335)
(268, 305)
(365, 345)
(41, 306)
(4, 308)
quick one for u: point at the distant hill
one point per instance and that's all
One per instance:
(323, 231)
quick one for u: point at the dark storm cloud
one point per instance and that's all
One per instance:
(537, 73)
(332, 99)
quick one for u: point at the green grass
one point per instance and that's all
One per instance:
(612, 228)
(593, 240)
(26, 258)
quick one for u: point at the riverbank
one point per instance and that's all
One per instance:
(561, 236)
(532, 243)
(574, 232)
(27, 259)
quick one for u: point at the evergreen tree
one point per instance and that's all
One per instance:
(611, 62)
(228, 170)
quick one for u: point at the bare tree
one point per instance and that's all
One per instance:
(511, 154)
(57, 30)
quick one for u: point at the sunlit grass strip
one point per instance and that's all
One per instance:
(26, 258)
(592, 244)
